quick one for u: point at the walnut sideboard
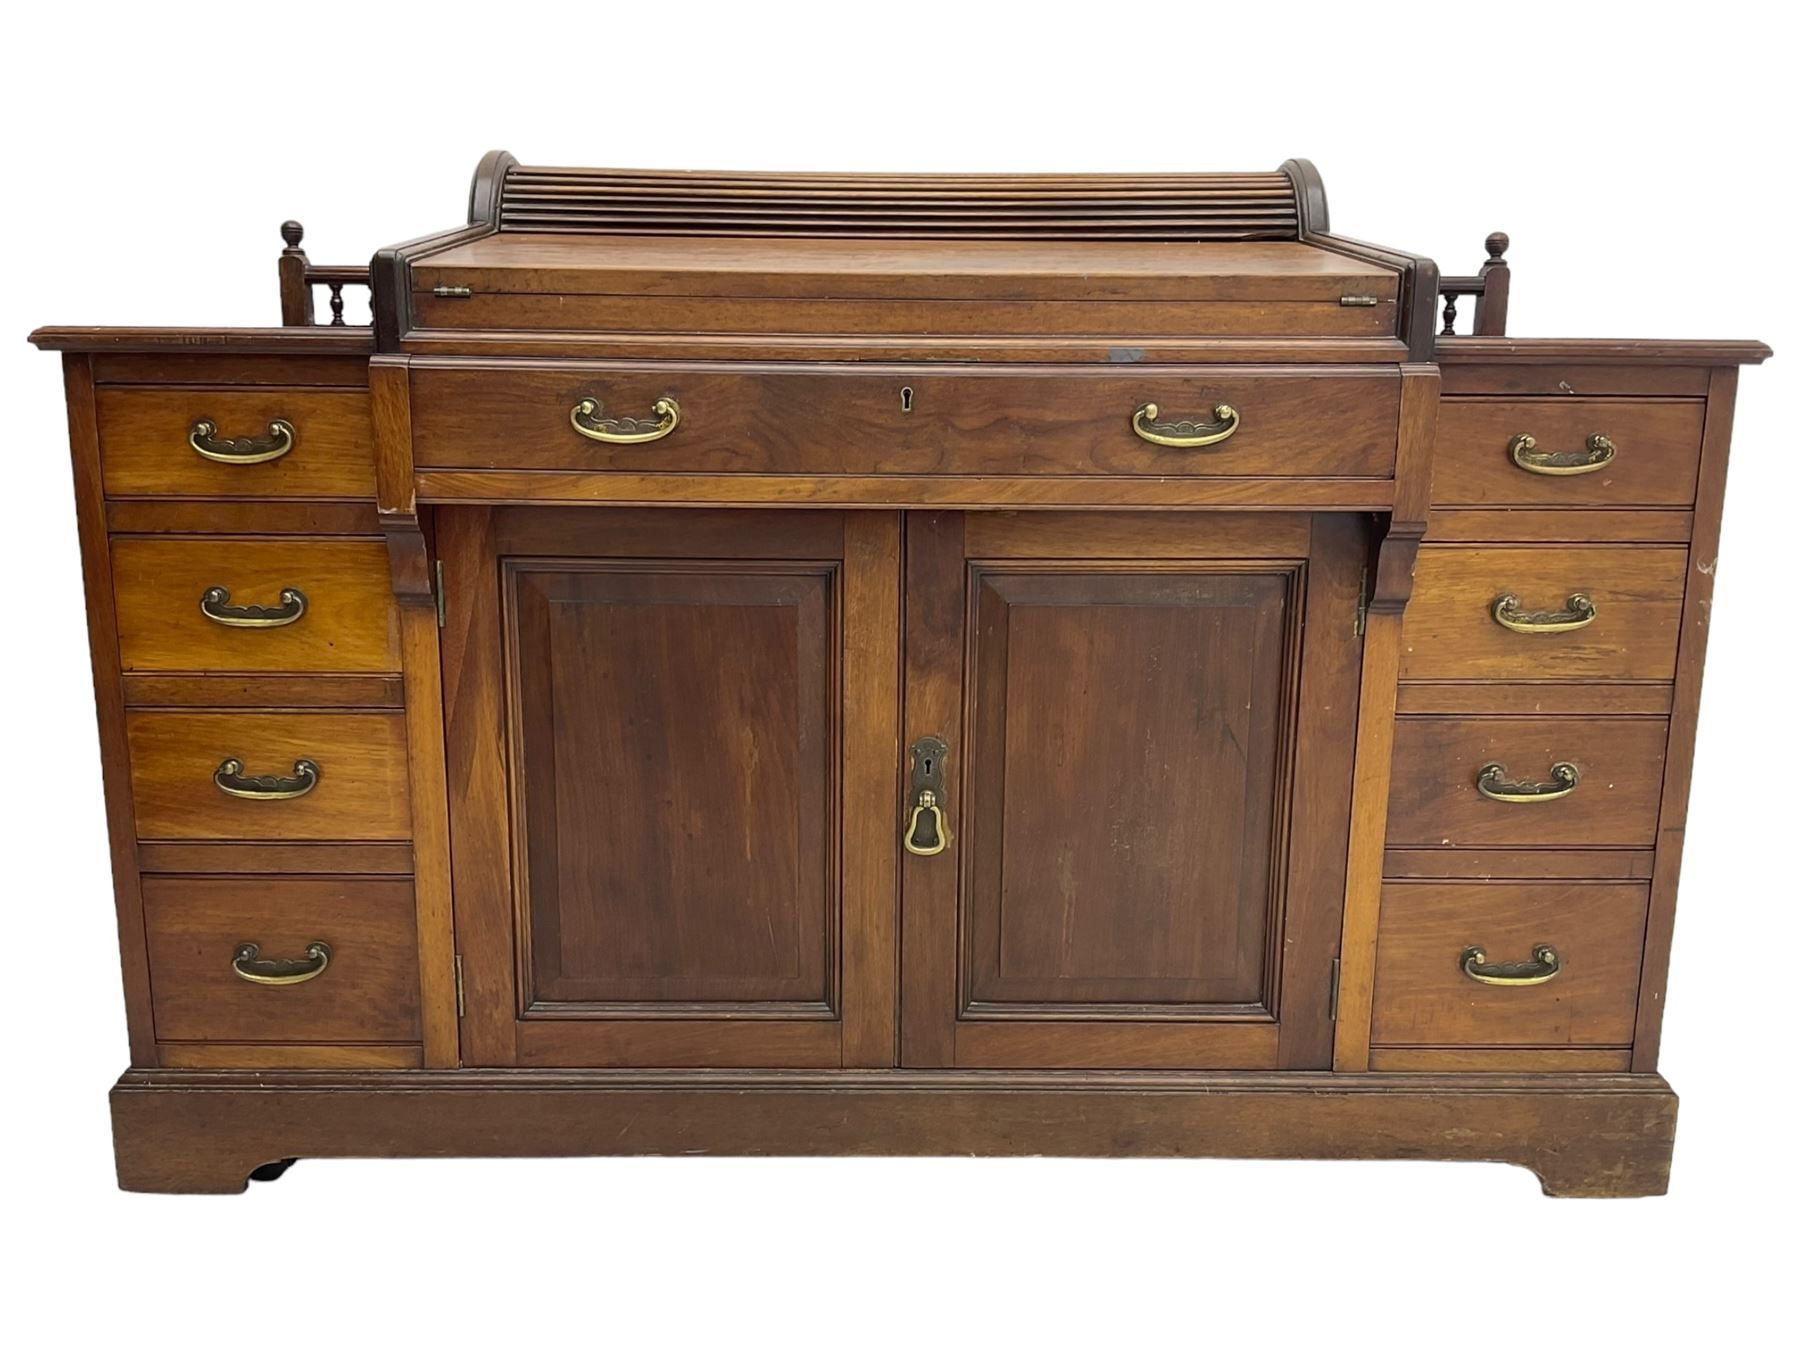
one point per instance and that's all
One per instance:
(797, 664)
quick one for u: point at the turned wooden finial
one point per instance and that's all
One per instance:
(296, 295)
(1496, 276)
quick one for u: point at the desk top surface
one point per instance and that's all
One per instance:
(1023, 269)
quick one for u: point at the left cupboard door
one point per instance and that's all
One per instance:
(664, 729)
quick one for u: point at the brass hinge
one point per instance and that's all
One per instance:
(1357, 301)
(464, 292)
(440, 592)
(456, 961)
(1362, 604)
(1337, 975)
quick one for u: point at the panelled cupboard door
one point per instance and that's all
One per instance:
(669, 733)
(1146, 728)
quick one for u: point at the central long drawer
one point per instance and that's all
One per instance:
(1230, 421)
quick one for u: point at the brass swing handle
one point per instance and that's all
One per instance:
(585, 418)
(216, 605)
(208, 444)
(246, 964)
(1492, 783)
(1561, 463)
(926, 834)
(1543, 967)
(1185, 435)
(1579, 612)
(231, 779)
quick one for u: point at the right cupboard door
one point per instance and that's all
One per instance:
(1127, 812)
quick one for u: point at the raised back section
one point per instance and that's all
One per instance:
(1169, 207)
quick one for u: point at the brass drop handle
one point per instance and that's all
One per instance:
(1561, 463)
(231, 779)
(1185, 435)
(216, 605)
(1492, 783)
(1545, 965)
(246, 964)
(585, 418)
(208, 444)
(926, 834)
(1579, 612)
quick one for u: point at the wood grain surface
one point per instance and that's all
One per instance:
(368, 992)
(1435, 803)
(907, 422)
(1451, 634)
(361, 792)
(1423, 998)
(350, 623)
(1654, 464)
(145, 451)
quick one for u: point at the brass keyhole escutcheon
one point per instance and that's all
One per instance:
(927, 833)
(906, 398)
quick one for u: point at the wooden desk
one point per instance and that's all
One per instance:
(832, 664)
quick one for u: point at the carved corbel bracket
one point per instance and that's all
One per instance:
(1391, 587)
(396, 503)
(1399, 550)
(409, 561)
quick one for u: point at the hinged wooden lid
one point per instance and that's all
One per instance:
(1096, 258)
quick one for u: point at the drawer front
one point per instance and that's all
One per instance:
(147, 442)
(359, 790)
(1424, 996)
(346, 948)
(1451, 632)
(1342, 423)
(302, 606)
(1608, 796)
(1647, 452)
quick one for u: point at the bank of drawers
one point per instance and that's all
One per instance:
(264, 723)
(1538, 657)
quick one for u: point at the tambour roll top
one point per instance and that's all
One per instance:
(1187, 207)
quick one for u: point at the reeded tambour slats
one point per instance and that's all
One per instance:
(1177, 207)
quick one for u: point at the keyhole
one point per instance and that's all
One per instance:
(906, 398)
(927, 768)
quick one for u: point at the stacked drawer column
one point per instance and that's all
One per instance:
(1543, 658)
(249, 664)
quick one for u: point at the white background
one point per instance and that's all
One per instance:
(1641, 158)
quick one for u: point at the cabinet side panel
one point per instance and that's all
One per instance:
(475, 770)
(1323, 791)
(1696, 612)
(109, 701)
